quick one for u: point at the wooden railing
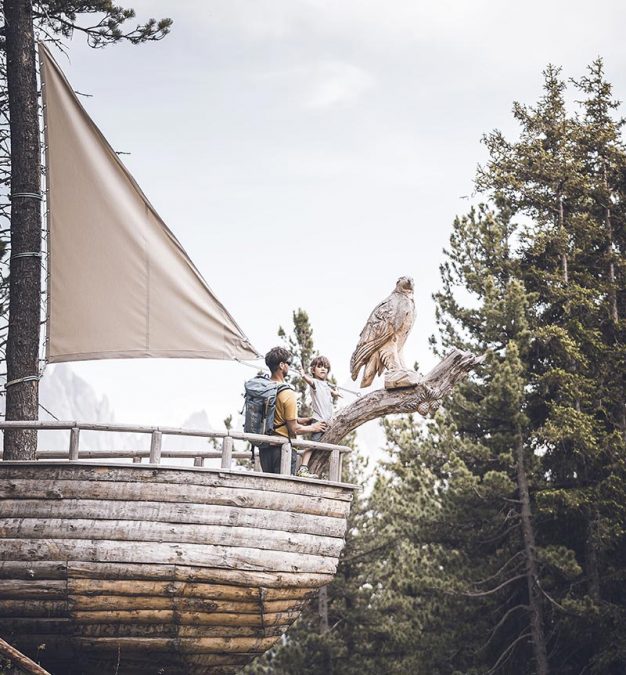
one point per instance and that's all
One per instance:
(226, 454)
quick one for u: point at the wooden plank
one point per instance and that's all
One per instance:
(187, 554)
(185, 645)
(33, 608)
(167, 512)
(180, 476)
(74, 444)
(138, 663)
(169, 629)
(218, 659)
(38, 626)
(183, 589)
(285, 459)
(141, 531)
(334, 466)
(168, 492)
(227, 453)
(36, 589)
(155, 447)
(106, 603)
(185, 573)
(184, 618)
(40, 569)
(136, 454)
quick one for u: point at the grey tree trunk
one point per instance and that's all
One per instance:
(534, 593)
(25, 265)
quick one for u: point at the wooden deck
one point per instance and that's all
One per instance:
(146, 568)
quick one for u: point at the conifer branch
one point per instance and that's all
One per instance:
(501, 623)
(491, 591)
(508, 651)
(497, 574)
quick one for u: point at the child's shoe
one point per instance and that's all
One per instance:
(303, 472)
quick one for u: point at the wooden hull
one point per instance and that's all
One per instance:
(149, 569)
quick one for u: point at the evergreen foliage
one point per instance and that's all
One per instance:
(494, 537)
(300, 344)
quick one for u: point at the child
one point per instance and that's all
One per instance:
(322, 399)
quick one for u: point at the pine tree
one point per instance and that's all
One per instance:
(564, 173)
(465, 571)
(300, 344)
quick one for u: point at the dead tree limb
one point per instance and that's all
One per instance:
(423, 397)
(21, 659)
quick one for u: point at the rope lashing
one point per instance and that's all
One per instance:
(27, 254)
(28, 378)
(27, 195)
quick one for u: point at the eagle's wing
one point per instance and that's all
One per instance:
(378, 329)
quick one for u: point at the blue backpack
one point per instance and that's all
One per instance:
(260, 404)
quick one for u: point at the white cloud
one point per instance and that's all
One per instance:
(322, 85)
(336, 84)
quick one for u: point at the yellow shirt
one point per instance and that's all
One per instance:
(286, 409)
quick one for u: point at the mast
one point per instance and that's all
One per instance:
(22, 393)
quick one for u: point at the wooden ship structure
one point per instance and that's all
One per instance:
(151, 567)
(132, 562)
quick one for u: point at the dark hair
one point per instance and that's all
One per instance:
(320, 361)
(276, 356)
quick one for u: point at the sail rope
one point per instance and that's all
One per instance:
(335, 386)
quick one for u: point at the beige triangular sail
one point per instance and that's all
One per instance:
(120, 284)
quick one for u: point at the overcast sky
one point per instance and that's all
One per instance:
(307, 153)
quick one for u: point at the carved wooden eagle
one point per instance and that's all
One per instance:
(382, 339)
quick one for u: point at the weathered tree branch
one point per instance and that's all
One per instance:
(26, 664)
(423, 397)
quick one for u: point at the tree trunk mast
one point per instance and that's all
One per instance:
(22, 397)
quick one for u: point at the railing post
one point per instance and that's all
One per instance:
(285, 459)
(136, 459)
(334, 469)
(227, 452)
(155, 447)
(198, 461)
(74, 440)
(257, 462)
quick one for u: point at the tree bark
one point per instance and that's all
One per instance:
(322, 606)
(25, 265)
(424, 398)
(534, 592)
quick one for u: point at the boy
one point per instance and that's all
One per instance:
(322, 399)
